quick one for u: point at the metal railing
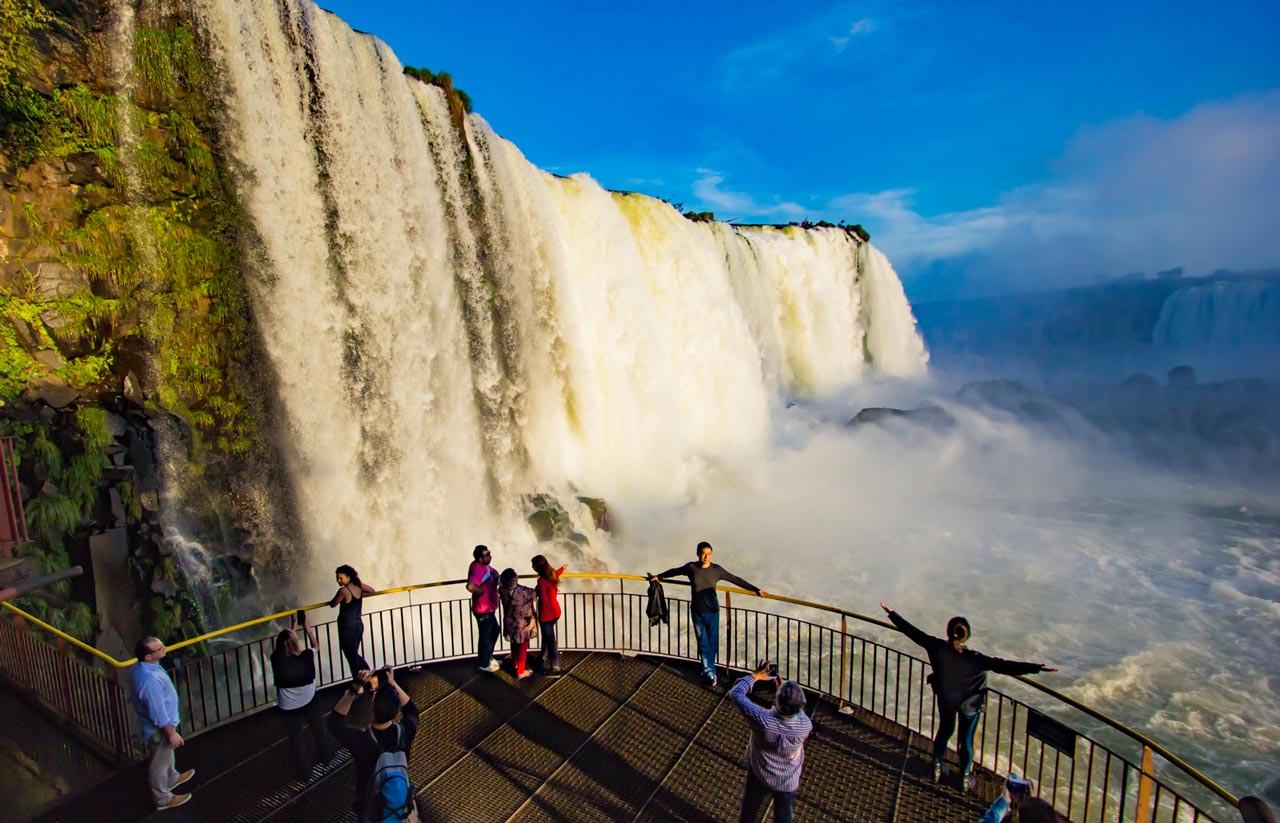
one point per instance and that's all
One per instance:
(1111, 774)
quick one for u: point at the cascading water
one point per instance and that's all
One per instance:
(454, 328)
(1221, 315)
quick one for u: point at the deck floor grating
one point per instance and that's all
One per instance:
(614, 739)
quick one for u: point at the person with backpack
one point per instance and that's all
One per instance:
(384, 791)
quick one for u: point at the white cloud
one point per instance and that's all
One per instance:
(785, 52)
(1135, 194)
(738, 205)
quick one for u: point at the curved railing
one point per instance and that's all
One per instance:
(1126, 775)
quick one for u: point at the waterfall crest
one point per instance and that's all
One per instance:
(454, 328)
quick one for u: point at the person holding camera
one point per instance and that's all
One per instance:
(1019, 794)
(775, 752)
(959, 682)
(380, 750)
(294, 670)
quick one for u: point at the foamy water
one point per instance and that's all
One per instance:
(1157, 596)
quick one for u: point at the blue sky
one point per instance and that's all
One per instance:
(987, 146)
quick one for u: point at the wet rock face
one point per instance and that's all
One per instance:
(561, 534)
(934, 417)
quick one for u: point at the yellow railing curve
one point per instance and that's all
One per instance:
(1134, 735)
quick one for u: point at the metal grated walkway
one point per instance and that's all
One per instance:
(614, 739)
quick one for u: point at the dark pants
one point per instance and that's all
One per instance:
(756, 793)
(488, 625)
(706, 627)
(947, 726)
(349, 638)
(550, 645)
(294, 721)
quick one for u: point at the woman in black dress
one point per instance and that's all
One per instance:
(350, 595)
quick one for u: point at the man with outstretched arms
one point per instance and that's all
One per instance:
(705, 605)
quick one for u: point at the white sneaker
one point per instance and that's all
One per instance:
(493, 666)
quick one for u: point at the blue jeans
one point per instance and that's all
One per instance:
(706, 627)
(946, 726)
(488, 625)
(550, 644)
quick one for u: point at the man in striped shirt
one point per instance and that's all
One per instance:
(775, 753)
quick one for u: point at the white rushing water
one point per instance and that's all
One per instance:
(453, 328)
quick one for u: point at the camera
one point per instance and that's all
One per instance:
(1018, 788)
(378, 679)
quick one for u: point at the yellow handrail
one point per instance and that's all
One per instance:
(1115, 724)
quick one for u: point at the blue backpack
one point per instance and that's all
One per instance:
(392, 795)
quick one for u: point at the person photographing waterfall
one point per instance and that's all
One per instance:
(384, 790)
(704, 607)
(959, 682)
(294, 668)
(1019, 795)
(775, 752)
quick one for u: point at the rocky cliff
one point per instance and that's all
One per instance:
(121, 295)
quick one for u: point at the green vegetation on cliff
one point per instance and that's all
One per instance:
(145, 249)
(459, 101)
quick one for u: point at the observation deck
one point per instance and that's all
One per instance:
(613, 739)
(628, 733)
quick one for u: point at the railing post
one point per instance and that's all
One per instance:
(622, 612)
(844, 643)
(728, 628)
(1145, 785)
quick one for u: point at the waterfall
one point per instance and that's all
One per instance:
(1221, 315)
(454, 328)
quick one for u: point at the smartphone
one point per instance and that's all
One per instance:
(773, 669)
(375, 681)
(301, 617)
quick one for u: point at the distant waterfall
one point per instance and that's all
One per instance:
(454, 328)
(1221, 315)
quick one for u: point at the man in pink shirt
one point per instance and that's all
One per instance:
(482, 582)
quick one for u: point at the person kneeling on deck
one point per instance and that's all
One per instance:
(381, 751)
(704, 606)
(959, 682)
(775, 752)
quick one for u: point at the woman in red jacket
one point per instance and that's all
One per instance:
(548, 612)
